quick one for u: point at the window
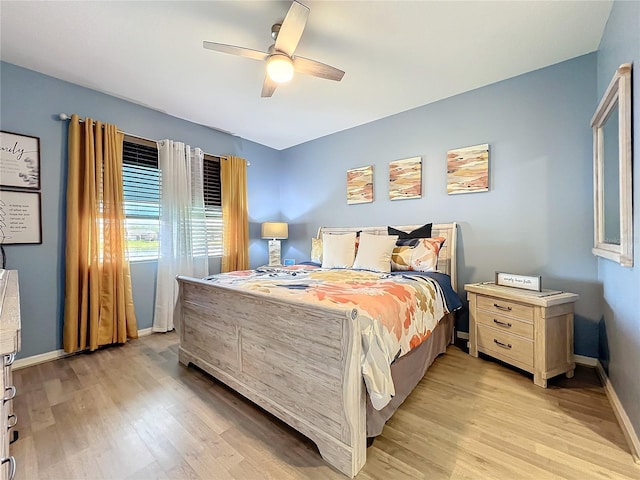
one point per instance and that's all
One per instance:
(141, 185)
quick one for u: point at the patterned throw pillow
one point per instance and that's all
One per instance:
(316, 250)
(416, 254)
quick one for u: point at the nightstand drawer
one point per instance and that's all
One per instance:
(506, 324)
(506, 307)
(505, 346)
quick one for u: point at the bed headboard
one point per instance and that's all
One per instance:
(446, 257)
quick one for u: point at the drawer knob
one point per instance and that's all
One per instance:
(8, 359)
(12, 393)
(502, 324)
(500, 307)
(12, 465)
(503, 345)
(12, 420)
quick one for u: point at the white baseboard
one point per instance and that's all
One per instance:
(144, 332)
(625, 424)
(40, 358)
(56, 354)
(588, 361)
(462, 335)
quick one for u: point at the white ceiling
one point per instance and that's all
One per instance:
(397, 55)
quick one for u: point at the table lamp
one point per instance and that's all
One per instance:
(275, 231)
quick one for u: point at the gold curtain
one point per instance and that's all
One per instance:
(98, 299)
(235, 214)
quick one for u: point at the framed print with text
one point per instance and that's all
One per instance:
(19, 161)
(20, 220)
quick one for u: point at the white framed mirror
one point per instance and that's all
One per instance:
(612, 160)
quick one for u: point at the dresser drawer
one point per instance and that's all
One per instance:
(505, 346)
(506, 307)
(506, 324)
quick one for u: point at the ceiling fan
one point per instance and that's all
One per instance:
(280, 58)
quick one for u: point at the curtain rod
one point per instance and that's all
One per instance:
(63, 116)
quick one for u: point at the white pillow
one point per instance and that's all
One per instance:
(374, 252)
(338, 251)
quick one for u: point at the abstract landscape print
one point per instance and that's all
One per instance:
(468, 169)
(360, 185)
(405, 178)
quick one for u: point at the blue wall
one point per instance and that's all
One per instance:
(31, 103)
(537, 217)
(621, 336)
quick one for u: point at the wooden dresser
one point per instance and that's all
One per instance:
(529, 330)
(9, 346)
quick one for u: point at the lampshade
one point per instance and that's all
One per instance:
(275, 230)
(280, 68)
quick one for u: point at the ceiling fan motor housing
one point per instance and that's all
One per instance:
(275, 29)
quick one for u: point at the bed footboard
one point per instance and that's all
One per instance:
(299, 363)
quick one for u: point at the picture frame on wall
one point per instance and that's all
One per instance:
(468, 170)
(19, 161)
(360, 185)
(20, 217)
(405, 179)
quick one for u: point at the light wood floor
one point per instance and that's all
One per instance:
(133, 412)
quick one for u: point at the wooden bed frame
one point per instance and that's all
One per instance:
(299, 362)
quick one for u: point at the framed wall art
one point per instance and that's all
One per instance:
(19, 161)
(468, 169)
(360, 185)
(405, 178)
(20, 220)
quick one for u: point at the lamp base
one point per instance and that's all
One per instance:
(274, 253)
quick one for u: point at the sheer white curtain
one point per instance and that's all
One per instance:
(183, 235)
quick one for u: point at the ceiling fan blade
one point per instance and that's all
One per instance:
(233, 50)
(317, 69)
(292, 28)
(268, 87)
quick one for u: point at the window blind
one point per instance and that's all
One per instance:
(213, 203)
(141, 188)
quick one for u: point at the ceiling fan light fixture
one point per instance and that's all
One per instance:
(280, 68)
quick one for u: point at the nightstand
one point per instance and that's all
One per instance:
(529, 330)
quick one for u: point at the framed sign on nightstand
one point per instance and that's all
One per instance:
(526, 282)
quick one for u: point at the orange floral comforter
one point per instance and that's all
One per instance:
(395, 313)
